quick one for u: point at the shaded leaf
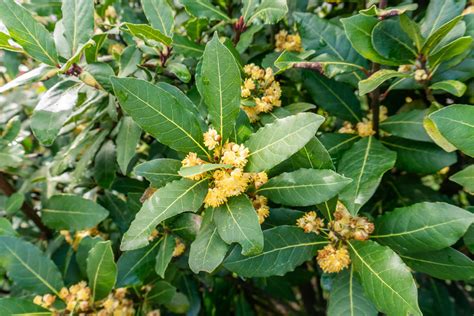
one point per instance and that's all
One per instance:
(127, 140)
(407, 125)
(465, 178)
(164, 255)
(101, 270)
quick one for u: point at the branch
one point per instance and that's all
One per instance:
(26, 208)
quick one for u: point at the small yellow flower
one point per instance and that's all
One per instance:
(38, 300)
(211, 139)
(84, 294)
(347, 128)
(284, 41)
(179, 248)
(364, 128)
(406, 68)
(259, 179)
(235, 155)
(332, 260)
(48, 300)
(250, 84)
(214, 198)
(310, 223)
(259, 203)
(421, 75)
(192, 160)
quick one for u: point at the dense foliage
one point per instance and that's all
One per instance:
(255, 157)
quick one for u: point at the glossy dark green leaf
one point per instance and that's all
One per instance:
(237, 221)
(365, 163)
(440, 12)
(159, 114)
(29, 267)
(161, 293)
(159, 171)
(436, 35)
(419, 157)
(304, 187)
(164, 255)
(101, 270)
(78, 20)
(29, 33)
(204, 8)
(53, 110)
(386, 280)
(186, 47)
(407, 125)
(104, 165)
(176, 197)
(208, 249)
(446, 264)
(85, 245)
(391, 42)
(127, 140)
(465, 178)
(160, 15)
(422, 227)
(412, 29)
(277, 141)
(285, 248)
(347, 296)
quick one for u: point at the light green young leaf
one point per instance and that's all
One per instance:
(204, 8)
(53, 110)
(180, 71)
(456, 88)
(195, 170)
(347, 296)
(277, 141)
(445, 264)
(452, 127)
(160, 15)
(422, 227)
(29, 33)
(72, 212)
(377, 78)
(304, 187)
(465, 178)
(101, 270)
(237, 221)
(285, 248)
(78, 21)
(450, 50)
(269, 11)
(159, 171)
(365, 162)
(439, 34)
(127, 141)
(176, 197)
(6, 45)
(208, 249)
(164, 255)
(221, 86)
(29, 267)
(159, 113)
(147, 33)
(386, 280)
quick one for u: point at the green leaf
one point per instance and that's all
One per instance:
(347, 296)
(285, 248)
(53, 110)
(304, 187)
(133, 267)
(160, 15)
(176, 197)
(237, 221)
(129, 61)
(195, 170)
(208, 249)
(422, 227)
(161, 293)
(390, 11)
(72, 212)
(164, 255)
(412, 29)
(78, 21)
(21, 306)
(28, 267)
(335, 97)
(5, 43)
(180, 71)
(11, 155)
(97, 75)
(147, 33)
(446, 264)
(386, 280)
(6, 228)
(186, 47)
(39, 73)
(452, 127)
(450, 50)
(85, 245)
(14, 202)
(434, 39)
(358, 29)
(438, 13)
(29, 33)
(127, 140)
(419, 157)
(456, 88)
(407, 125)
(391, 42)
(104, 165)
(101, 270)
(377, 78)
(365, 162)
(159, 171)
(269, 11)
(277, 141)
(465, 178)
(204, 8)
(158, 113)
(221, 91)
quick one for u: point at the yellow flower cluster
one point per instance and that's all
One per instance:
(79, 235)
(334, 257)
(261, 88)
(77, 297)
(45, 301)
(364, 128)
(259, 203)
(179, 248)
(420, 75)
(225, 182)
(310, 222)
(288, 42)
(117, 304)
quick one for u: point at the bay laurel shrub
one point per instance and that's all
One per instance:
(255, 157)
